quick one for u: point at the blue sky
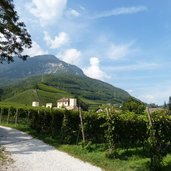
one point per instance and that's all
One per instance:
(125, 43)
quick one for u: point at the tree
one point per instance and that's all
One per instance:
(165, 105)
(134, 105)
(13, 34)
(169, 104)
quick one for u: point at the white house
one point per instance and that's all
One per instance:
(35, 104)
(48, 105)
(99, 110)
(68, 103)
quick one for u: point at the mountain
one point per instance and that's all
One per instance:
(47, 79)
(38, 65)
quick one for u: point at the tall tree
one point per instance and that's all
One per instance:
(165, 105)
(13, 33)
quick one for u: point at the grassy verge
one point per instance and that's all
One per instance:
(131, 160)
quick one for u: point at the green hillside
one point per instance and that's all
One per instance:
(44, 94)
(25, 97)
(50, 88)
(87, 88)
(41, 93)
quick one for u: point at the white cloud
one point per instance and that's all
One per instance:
(119, 51)
(46, 10)
(71, 56)
(154, 94)
(74, 13)
(121, 11)
(153, 97)
(130, 91)
(35, 50)
(61, 39)
(148, 98)
(94, 70)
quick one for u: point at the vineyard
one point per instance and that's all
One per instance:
(116, 129)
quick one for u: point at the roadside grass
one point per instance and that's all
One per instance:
(97, 157)
(129, 160)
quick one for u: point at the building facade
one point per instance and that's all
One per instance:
(35, 104)
(68, 103)
(48, 105)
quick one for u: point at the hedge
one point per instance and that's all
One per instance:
(126, 129)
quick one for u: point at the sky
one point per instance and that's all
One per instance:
(124, 43)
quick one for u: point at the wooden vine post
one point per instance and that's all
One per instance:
(149, 117)
(8, 115)
(44, 120)
(28, 116)
(155, 146)
(16, 117)
(63, 127)
(82, 125)
(109, 136)
(111, 139)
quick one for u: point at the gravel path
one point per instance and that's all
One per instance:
(30, 154)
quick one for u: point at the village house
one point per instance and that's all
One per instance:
(35, 104)
(99, 110)
(48, 105)
(68, 103)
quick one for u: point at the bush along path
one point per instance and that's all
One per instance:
(30, 154)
